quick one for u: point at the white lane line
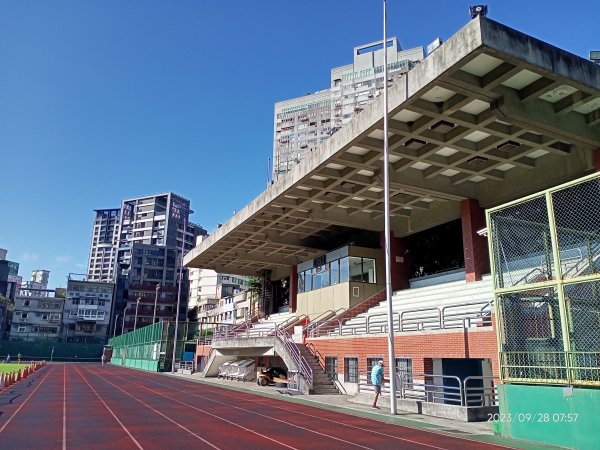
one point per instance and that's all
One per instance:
(26, 400)
(111, 411)
(161, 414)
(64, 430)
(255, 414)
(310, 415)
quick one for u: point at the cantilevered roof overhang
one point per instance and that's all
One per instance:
(492, 114)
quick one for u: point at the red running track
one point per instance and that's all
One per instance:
(87, 406)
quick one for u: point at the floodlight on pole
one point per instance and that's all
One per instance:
(155, 302)
(388, 235)
(478, 10)
(137, 304)
(179, 290)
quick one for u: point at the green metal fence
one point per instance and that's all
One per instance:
(545, 252)
(151, 347)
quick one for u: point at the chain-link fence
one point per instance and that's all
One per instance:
(151, 347)
(546, 262)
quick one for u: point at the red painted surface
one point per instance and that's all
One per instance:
(90, 406)
(293, 300)
(597, 160)
(400, 262)
(475, 247)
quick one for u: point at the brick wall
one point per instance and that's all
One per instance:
(421, 347)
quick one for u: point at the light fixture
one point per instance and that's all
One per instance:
(477, 161)
(508, 146)
(414, 144)
(478, 10)
(442, 126)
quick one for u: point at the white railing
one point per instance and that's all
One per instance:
(471, 392)
(462, 315)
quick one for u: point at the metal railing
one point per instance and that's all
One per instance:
(333, 377)
(462, 315)
(470, 392)
(321, 320)
(294, 352)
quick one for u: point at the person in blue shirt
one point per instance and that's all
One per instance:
(377, 380)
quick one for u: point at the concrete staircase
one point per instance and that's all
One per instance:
(321, 383)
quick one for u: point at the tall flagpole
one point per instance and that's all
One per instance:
(388, 235)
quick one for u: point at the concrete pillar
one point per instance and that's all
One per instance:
(597, 160)
(293, 291)
(477, 261)
(400, 263)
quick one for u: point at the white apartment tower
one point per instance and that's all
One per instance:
(302, 123)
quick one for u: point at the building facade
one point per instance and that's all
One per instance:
(37, 315)
(139, 247)
(87, 311)
(302, 123)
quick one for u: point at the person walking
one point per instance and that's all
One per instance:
(377, 380)
(7, 360)
(103, 359)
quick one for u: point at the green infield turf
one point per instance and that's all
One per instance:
(5, 368)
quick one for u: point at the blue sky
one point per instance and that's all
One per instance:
(91, 92)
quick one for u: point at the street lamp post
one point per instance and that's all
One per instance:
(137, 304)
(115, 327)
(155, 302)
(388, 257)
(123, 323)
(179, 292)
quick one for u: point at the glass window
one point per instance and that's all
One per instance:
(344, 270)
(404, 368)
(308, 281)
(369, 275)
(331, 367)
(351, 370)
(324, 272)
(355, 265)
(316, 277)
(334, 270)
(370, 363)
(301, 282)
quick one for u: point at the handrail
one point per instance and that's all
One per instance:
(433, 317)
(314, 327)
(477, 396)
(313, 350)
(294, 352)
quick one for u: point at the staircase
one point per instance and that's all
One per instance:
(334, 322)
(322, 385)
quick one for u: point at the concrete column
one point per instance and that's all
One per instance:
(477, 261)
(293, 294)
(597, 160)
(400, 263)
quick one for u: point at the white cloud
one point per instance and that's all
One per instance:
(62, 259)
(81, 266)
(27, 256)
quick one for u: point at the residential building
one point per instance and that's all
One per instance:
(39, 280)
(87, 310)
(303, 123)
(156, 229)
(37, 315)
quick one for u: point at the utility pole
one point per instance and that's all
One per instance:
(155, 302)
(187, 211)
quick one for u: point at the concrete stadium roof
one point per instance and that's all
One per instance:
(492, 114)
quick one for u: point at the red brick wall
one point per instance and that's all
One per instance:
(420, 347)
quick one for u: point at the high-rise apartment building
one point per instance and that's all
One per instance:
(302, 123)
(138, 246)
